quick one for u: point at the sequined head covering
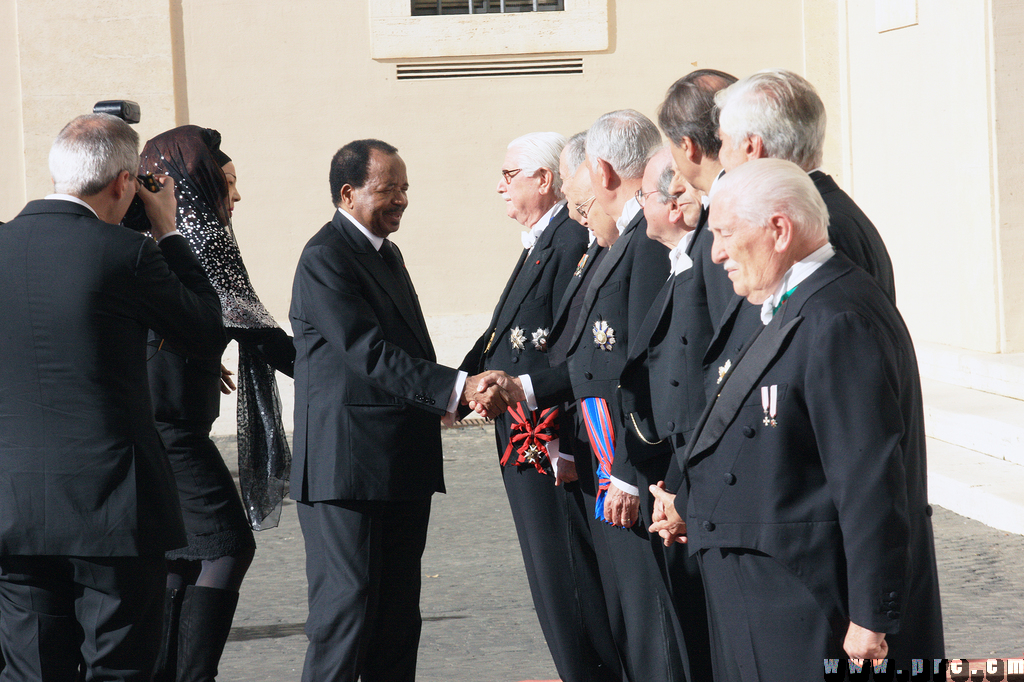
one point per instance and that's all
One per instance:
(191, 156)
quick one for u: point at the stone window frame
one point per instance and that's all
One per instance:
(395, 34)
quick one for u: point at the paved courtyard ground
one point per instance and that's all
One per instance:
(479, 624)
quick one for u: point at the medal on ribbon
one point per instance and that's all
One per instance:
(531, 432)
(518, 339)
(604, 336)
(770, 404)
(540, 339)
(579, 266)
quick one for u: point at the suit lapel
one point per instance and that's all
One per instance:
(738, 384)
(576, 281)
(532, 265)
(615, 253)
(400, 294)
(750, 366)
(662, 302)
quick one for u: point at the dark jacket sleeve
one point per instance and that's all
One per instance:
(178, 300)
(273, 345)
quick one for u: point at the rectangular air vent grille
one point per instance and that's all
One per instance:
(490, 69)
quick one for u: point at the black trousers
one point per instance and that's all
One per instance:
(561, 567)
(58, 611)
(765, 624)
(653, 644)
(363, 568)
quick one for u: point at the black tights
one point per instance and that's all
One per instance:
(225, 573)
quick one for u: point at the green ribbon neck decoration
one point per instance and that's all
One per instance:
(783, 299)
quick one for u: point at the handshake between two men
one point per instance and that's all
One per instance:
(490, 393)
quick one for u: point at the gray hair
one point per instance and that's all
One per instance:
(763, 188)
(90, 152)
(540, 150)
(624, 139)
(780, 107)
(576, 151)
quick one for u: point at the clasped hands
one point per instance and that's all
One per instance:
(490, 393)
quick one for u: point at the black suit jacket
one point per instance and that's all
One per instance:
(854, 235)
(622, 290)
(369, 395)
(528, 302)
(661, 389)
(82, 468)
(836, 489)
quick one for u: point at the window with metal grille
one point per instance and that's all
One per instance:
(435, 7)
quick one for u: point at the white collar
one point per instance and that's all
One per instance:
(74, 200)
(531, 236)
(797, 273)
(629, 211)
(375, 241)
(678, 259)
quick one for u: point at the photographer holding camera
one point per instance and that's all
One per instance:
(87, 500)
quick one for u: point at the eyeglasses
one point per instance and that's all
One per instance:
(641, 196)
(509, 174)
(583, 208)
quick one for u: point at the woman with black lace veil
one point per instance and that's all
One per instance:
(204, 578)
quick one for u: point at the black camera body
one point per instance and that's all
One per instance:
(130, 112)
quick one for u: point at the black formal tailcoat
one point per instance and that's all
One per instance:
(854, 235)
(369, 395)
(621, 292)
(82, 468)
(836, 490)
(662, 387)
(529, 300)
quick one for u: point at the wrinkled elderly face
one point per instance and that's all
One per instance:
(746, 251)
(577, 192)
(599, 222)
(657, 207)
(379, 204)
(524, 201)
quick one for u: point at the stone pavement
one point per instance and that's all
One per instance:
(479, 624)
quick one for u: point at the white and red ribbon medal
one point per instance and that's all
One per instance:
(770, 404)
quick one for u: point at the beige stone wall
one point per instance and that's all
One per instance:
(926, 106)
(288, 85)
(12, 169)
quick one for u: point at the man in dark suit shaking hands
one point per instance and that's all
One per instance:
(808, 500)
(88, 504)
(369, 398)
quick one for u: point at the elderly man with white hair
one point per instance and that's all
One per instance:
(550, 518)
(806, 476)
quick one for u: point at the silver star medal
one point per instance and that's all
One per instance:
(723, 370)
(540, 339)
(532, 454)
(604, 336)
(518, 339)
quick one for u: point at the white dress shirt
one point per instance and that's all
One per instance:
(800, 271)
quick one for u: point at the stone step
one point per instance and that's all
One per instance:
(976, 485)
(975, 420)
(998, 373)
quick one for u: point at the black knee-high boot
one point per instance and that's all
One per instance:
(206, 614)
(167, 659)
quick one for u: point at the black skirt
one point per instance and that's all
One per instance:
(215, 521)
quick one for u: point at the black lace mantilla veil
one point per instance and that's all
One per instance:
(189, 155)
